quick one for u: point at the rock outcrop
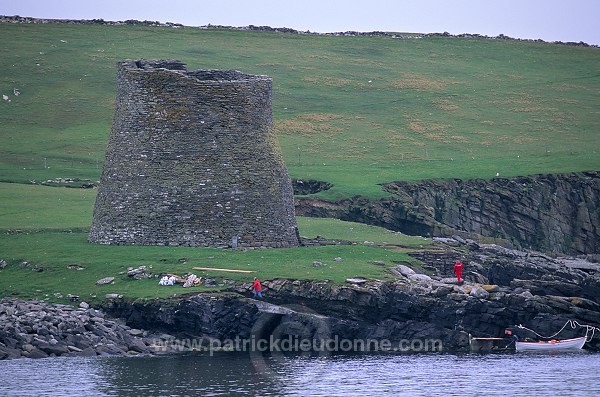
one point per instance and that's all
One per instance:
(549, 213)
(503, 289)
(204, 316)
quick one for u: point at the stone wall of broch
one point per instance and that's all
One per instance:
(193, 160)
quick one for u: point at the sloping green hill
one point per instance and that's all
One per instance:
(353, 111)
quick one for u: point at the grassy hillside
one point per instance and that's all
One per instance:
(352, 111)
(384, 109)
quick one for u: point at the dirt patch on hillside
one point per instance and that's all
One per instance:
(328, 81)
(413, 81)
(310, 123)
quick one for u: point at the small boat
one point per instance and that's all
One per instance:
(553, 345)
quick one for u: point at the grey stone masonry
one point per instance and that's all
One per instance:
(193, 160)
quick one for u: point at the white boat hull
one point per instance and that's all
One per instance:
(557, 345)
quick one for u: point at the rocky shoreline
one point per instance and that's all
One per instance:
(503, 289)
(34, 329)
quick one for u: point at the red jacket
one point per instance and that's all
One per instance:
(256, 285)
(458, 267)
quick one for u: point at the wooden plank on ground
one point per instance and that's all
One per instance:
(222, 270)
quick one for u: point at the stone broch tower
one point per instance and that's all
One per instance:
(193, 160)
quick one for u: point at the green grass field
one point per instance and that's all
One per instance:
(352, 111)
(47, 227)
(384, 109)
(53, 252)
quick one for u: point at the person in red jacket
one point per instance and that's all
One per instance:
(458, 269)
(257, 288)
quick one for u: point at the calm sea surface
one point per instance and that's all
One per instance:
(240, 374)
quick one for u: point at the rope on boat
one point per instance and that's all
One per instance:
(574, 324)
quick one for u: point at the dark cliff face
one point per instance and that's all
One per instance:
(551, 213)
(220, 317)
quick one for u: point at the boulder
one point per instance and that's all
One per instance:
(475, 277)
(109, 350)
(526, 294)
(74, 349)
(136, 332)
(73, 298)
(140, 273)
(422, 278)
(9, 353)
(87, 352)
(450, 280)
(105, 280)
(75, 266)
(479, 293)
(56, 349)
(27, 347)
(442, 290)
(137, 345)
(37, 353)
(404, 270)
(490, 288)
(448, 241)
(356, 280)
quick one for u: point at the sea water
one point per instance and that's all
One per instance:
(244, 374)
